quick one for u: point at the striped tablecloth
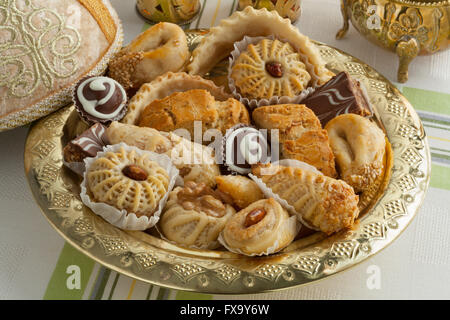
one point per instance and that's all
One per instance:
(36, 262)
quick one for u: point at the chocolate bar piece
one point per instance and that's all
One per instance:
(86, 144)
(340, 95)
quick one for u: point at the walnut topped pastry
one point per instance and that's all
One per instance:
(181, 110)
(269, 68)
(318, 201)
(301, 136)
(194, 216)
(262, 228)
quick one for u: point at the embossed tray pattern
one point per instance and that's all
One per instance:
(146, 257)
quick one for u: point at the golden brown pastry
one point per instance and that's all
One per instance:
(143, 138)
(269, 68)
(127, 181)
(164, 86)
(242, 190)
(320, 202)
(159, 49)
(182, 109)
(195, 162)
(219, 41)
(359, 147)
(194, 216)
(262, 228)
(301, 136)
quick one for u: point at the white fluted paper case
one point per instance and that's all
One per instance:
(241, 46)
(121, 218)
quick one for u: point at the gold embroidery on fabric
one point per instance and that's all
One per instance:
(103, 17)
(36, 47)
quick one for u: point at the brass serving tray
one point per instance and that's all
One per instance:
(145, 257)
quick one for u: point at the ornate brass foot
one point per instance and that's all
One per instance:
(341, 33)
(407, 49)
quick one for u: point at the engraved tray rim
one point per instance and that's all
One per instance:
(154, 261)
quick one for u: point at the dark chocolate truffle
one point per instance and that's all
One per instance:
(244, 146)
(100, 99)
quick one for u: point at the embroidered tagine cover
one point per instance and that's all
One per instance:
(45, 48)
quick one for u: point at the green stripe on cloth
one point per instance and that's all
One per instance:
(186, 295)
(200, 14)
(57, 288)
(100, 284)
(427, 100)
(440, 177)
(233, 6)
(113, 287)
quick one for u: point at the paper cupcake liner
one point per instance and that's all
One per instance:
(121, 218)
(270, 194)
(255, 103)
(77, 167)
(290, 223)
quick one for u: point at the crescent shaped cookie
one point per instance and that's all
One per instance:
(164, 86)
(218, 43)
(359, 147)
(159, 49)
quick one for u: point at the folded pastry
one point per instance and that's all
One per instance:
(160, 49)
(194, 216)
(359, 147)
(269, 68)
(301, 136)
(319, 202)
(242, 190)
(262, 228)
(181, 110)
(194, 161)
(127, 181)
(164, 86)
(219, 41)
(143, 138)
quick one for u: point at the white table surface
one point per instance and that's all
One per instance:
(415, 266)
